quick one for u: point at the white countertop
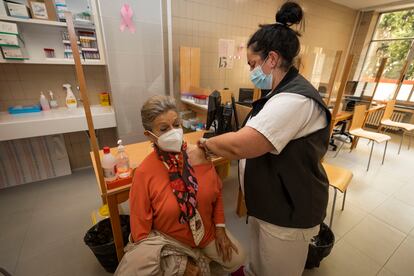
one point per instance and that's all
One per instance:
(55, 121)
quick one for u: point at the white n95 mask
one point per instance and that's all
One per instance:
(171, 141)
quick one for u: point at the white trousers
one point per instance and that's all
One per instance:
(277, 251)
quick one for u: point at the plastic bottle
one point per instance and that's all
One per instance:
(71, 101)
(108, 165)
(122, 162)
(44, 102)
(53, 102)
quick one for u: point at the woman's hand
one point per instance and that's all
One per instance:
(223, 245)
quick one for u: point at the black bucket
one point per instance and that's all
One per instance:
(320, 246)
(101, 241)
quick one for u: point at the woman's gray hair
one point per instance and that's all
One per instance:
(155, 106)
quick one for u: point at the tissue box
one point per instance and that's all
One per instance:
(7, 27)
(18, 10)
(9, 40)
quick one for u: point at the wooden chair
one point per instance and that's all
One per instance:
(339, 179)
(387, 122)
(357, 131)
(242, 112)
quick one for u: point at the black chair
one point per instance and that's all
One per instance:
(340, 133)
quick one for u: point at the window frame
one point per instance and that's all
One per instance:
(407, 102)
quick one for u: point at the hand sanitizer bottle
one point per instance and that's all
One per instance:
(122, 162)
(53, 102)
(108, 165)
(71, 101)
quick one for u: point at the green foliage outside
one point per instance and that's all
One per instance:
(398, 24)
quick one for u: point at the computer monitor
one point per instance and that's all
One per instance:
(236, 117)
(246, 95)
(214, 104)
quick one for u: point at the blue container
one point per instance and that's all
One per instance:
(24, 109)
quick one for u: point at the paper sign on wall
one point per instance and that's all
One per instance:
(226, 53)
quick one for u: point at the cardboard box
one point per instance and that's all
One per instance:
(9, 40)
(12, 53)
(43, 9)
(3, 10)
(8, 28)
(17, 10)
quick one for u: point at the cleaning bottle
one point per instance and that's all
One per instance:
(108, 165)
(53, 102)
(71, 101)
(44, 102)
(122, 162)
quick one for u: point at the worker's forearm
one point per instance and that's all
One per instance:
(224, 145)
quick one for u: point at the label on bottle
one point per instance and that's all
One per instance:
(109, 172)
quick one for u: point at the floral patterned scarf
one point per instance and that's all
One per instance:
(182, 181)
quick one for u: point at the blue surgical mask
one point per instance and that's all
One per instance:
(260, 79)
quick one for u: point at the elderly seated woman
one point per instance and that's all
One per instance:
(177, 216)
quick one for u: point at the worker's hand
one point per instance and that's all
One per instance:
(192, 269)
(201, 143)
(223, 245)
(196, 155)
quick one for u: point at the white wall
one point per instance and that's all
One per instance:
(201, 23)
(135, 61)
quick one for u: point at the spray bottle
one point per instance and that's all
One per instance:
(71, 101)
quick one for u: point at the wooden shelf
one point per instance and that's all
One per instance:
(33, 21)
(203, 107)
(81, 25)
(62, 61)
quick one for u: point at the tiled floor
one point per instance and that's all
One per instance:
(42, 224)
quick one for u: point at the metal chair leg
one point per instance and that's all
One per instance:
(385, 151)
(337, 152)
(343, 201)
(333, 209)
(370, 155)
(401, 141)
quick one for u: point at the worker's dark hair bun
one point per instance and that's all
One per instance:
(279, 37)
(289, 14)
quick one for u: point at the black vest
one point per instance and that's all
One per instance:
(290, 189)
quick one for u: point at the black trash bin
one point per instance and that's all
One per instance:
(101, 241)
(320, 246)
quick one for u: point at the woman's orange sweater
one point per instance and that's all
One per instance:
(154, 206)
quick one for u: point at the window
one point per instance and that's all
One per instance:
(393, 39)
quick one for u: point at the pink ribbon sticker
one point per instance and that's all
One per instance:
(126, 18)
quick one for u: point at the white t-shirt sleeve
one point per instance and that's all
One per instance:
(288, 116)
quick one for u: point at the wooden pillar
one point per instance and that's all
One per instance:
(85, 100)
(341, 90)
(332, 78)
(377, 80)
(404, 71)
